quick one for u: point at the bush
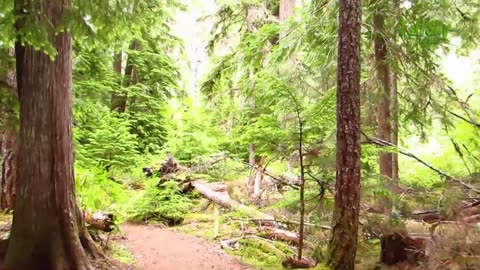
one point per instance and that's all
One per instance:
(162, 203)
(96, 191)
(105, 142)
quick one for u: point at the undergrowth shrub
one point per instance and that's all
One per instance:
(190, 133)
(162, 203)
(96, 191)
(105, 142)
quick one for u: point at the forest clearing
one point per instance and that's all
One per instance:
(239, 134)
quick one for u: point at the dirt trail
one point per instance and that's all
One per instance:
(162, 249)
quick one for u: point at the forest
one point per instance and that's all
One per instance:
(239, 134)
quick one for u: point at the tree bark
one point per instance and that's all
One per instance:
(48, 230)
(343, 244)
(251, 154)
(383, 77)
(8, 145)
(287, 9)
(9, 170)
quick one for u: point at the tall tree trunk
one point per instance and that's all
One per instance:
(8, 147)
(48, 230)
(394, 137)
(250, 15)
(119, 100)
(394, 103)
(9, 170)
(383, 76)
(343, 244)
(116, 100)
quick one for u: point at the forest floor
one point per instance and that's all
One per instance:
(162, 249)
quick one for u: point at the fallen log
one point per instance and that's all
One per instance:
(217, 193)
(231, 244)
(293, 263)
(278, 221)
(282, 235)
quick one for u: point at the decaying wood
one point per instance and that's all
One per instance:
(428, 216)
(278, 221)
(170, 165)
(293, 263)
(231, 244)
(217, 193)
(400, 248)
(467, 213)
(293, 182)
(100, 221)
(282, 235)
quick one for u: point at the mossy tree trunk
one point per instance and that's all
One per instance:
(48, 230)
(343, 244)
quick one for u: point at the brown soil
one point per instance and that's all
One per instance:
(162, 249)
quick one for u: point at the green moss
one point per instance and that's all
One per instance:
(120, 253)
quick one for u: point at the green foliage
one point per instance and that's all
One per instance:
(95, 191)
(190, 132)
(160, 203)
(107, 143)
(253, 254)
(122, 254)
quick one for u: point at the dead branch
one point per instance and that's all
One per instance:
(214, 160)
(383, 143)
(282, 179)
(292, 222)
(464, 119)
(294, 263)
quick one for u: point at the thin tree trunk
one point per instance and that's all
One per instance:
(48, 230)
(394, 137)
(251, 154)
(302, 189)
(383, 76)
(8, 147)
(343, 244)
(287, 9)
(250, 11)
(9, 170)
(119, 103)
(117, 98)
(394, 103)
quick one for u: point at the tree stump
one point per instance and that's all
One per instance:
(400, 248)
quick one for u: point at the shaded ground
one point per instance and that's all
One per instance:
(162, 249)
